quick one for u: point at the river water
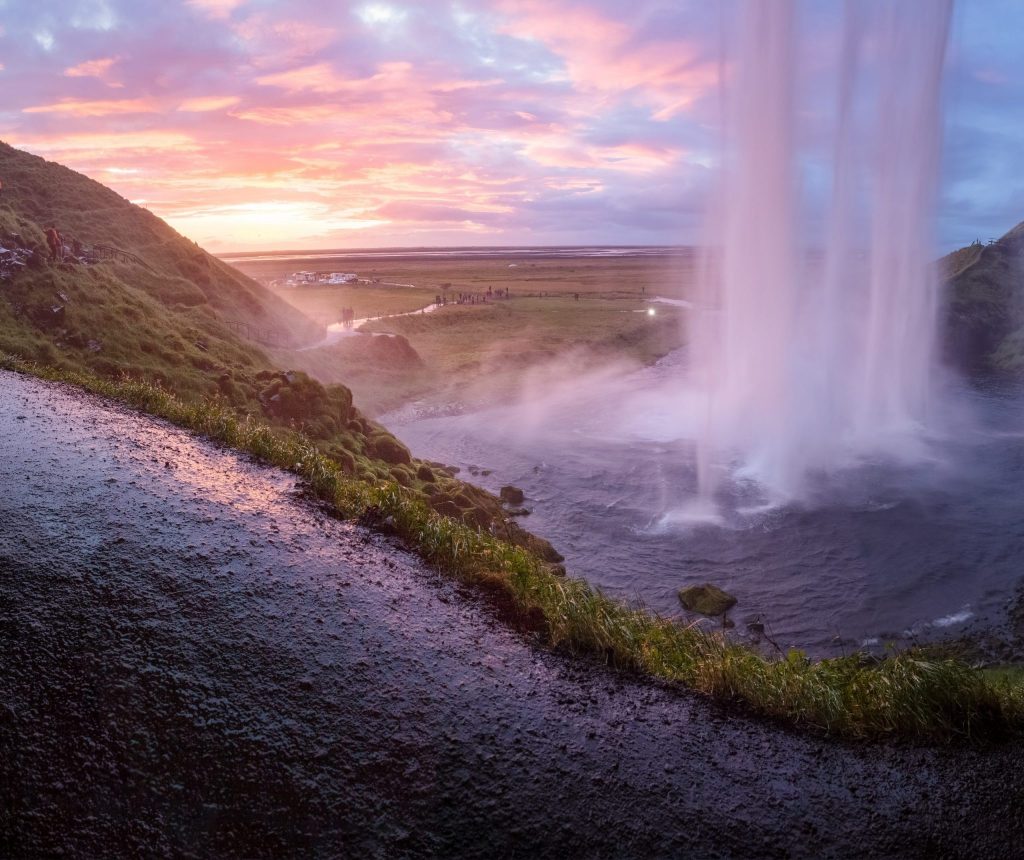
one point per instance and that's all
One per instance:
(873, 553)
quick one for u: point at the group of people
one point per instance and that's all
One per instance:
(472, 298)
(59, 250)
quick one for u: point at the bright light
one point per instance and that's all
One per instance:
(651, 312)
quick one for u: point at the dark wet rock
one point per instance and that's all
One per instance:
(706, 599)
(519, 512)
(755, 627)
(511, 495)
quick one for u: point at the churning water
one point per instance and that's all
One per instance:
(875, 552)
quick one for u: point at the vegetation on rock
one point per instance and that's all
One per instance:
(707, 600)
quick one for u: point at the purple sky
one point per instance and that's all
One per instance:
(254, 124)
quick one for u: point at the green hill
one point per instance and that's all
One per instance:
(985, 319)
(137, 299)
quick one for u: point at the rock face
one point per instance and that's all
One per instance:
(707, 600)
(984, 325)
(511, 495)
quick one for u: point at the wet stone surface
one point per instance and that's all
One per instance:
(197, 663)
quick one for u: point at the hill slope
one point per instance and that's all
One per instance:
(985, 320)
(162, 310)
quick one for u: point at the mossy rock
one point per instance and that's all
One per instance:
(511, 495)
(706, 599)
(385, 447)
(425, 473)
(401, 476)
(538, 546)
(476, 518)
(445, 507)
(345, 460)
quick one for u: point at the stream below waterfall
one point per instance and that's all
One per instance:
(873, 553)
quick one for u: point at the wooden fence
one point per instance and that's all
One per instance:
(268, 336)
(109, 252)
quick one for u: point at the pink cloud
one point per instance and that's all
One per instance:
(91, 68)
(602, 56)
(215, 8)
(289, 116)
(204, 104)
(257, 110)
(319, 78)
(98, 108)
(279, 43)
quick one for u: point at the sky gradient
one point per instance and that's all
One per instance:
(260, 124)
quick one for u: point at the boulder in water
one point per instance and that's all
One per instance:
(706, 599)
(511, 495)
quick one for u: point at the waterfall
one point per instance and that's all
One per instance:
(813, 356)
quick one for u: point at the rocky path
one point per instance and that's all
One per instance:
(197, 663)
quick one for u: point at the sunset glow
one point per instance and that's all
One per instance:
(253, 125)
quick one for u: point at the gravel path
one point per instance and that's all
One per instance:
(198, 663)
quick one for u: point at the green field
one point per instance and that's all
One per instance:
(664, 274)
(587, 310)
(477, 354)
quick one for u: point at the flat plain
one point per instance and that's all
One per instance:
(581, 310)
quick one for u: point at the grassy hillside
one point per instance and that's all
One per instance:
(174, 316)
(985, 322)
